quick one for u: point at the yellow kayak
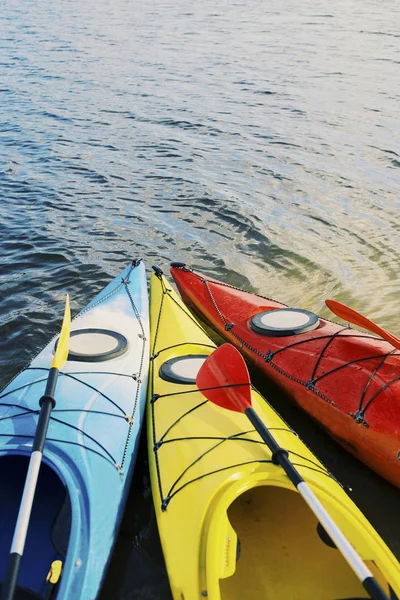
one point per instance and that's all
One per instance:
(231, 523)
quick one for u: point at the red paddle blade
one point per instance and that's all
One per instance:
(225, 369)
(352, 316)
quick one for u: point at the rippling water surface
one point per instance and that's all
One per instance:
(255, 141)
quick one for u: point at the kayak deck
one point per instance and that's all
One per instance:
(91, 443)
(347, 380)
(214, 483)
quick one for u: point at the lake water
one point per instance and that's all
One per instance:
(257, 142)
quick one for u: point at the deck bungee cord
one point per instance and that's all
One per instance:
(32, 411)
(311, 384)
(234, 437)
(347, 380)
(157, 443)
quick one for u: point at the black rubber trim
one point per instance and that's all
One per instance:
(157, 271)
(167, 373)
(121, 348)
(374, 589)
(178, 265)
(257, 325)
(325, 537)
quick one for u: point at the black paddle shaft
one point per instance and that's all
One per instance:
(47, 403)
(11, 576)
(280, 456)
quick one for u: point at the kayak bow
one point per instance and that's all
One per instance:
(90, 447)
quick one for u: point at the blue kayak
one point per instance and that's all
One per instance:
(90, 448)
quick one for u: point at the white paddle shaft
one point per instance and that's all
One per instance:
(25, 508)
(352, 557)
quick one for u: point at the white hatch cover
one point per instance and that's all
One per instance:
(96, 345)
(284, 321)
(182, 369)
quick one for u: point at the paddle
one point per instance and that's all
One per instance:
(224, 380)
(352, 316)
(47, 404)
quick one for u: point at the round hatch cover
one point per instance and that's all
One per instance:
(284, 321)
(96, 345)
(182, 369)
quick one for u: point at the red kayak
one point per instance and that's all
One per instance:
(347, 380)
